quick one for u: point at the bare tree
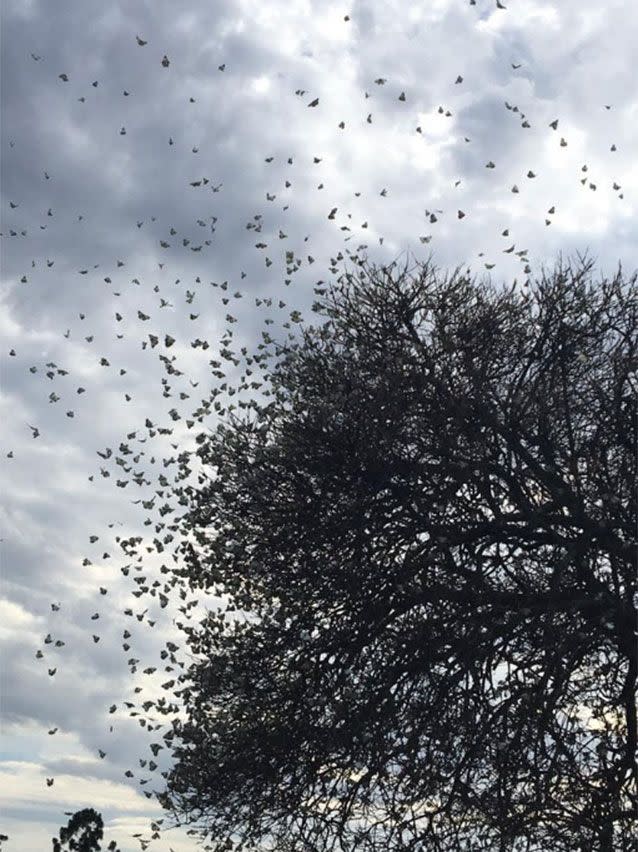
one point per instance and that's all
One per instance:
(427, 543)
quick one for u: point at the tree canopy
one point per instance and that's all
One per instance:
(83, 833)
(425, 542)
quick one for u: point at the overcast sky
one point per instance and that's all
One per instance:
(105, 241)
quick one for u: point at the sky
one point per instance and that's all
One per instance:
(144, 184)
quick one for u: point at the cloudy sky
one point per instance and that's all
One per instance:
(139, 181)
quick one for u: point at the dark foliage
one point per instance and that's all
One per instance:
(427, 539)
(83, 833)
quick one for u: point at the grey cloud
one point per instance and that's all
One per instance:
(115, 181)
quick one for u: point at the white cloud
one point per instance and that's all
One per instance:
(15, 619)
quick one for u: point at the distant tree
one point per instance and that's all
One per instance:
(83, 833)
(428, 543)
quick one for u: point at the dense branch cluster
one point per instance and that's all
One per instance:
(425, 545)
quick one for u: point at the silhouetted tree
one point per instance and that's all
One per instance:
(83, 833)
(427, 541)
